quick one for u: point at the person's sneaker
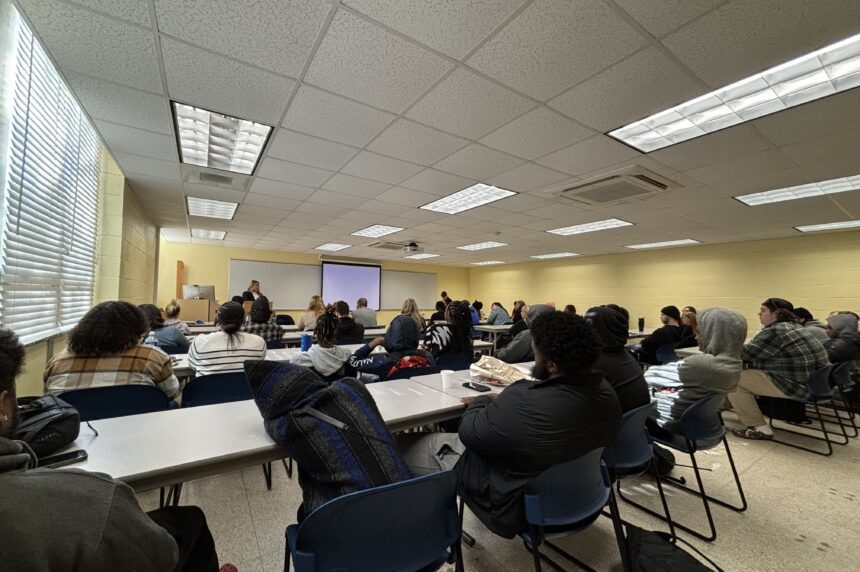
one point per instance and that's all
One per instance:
(228, 568)
(752, 433)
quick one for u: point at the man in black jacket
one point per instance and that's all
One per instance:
(669, 335)
(348, 330)
(512, 437)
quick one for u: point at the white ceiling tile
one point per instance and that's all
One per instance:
(135, 11)
(743, 37)
(204, 79)
(168, 193)
(712, 148)
(379, 168)
(536, 133)
(414, 142)
(334, 199)
(364, 62)
(82, 41)
(595, 153)
(662, 16)
(124, 139)
(332, 117)
(521, 203)
(355, 186)
(437, 183)
(147, 167)
(812, 120)
(478, 162)
(122, 105)
(526, 177)
(453, 28)
(256, 222)
(644, 83)
(280, 189)
(292, 172)
(273, 34)
(407, 197)
(300, 148)
(318, 210)
(554, 44)
(381, 208)
(266, 211)
(762, 163)
(269, 201)
(468, 105)
(827, 157)
(210, 192)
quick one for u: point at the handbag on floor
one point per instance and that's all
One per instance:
(652, 551)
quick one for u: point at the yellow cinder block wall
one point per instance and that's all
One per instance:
(139, 252)
(820, 272)
(210, 264)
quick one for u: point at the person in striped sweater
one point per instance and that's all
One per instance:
(226, 351)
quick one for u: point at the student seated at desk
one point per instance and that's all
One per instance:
(507, 439)
(161, 334)
(816, 328)
(454, 336)
(401, 343)
(439, 314)
(364, 315)
(688, 327)
(171, 311)
(104, 349)
(520, 347)
(843, 343)
(324, 357)
(316, 308)
(348, 330)
(498, 315)
(260, 321)
(669, 334)
(410, 308)
(69, 519)
(226, 350)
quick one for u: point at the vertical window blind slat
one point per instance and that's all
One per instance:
(50, 219)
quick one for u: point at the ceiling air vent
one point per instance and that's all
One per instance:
(215, 177)
(387, 245)
(630, 183)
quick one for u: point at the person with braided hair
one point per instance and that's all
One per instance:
(324, 357)
(454, 336)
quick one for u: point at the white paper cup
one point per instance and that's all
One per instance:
(447, 378)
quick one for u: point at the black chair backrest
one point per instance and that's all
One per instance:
(840, 375)
(701, 421)
(216, 388)
(285, 320)
(171, 350)
(818, 383)
(666, 354)
(116, 401)
(275, 345)
(456, 362)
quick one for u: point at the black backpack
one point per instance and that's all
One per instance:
(46, 423)
(651, 551)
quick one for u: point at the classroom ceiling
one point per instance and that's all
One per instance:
(381, 106)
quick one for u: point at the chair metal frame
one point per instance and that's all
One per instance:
(695, 439)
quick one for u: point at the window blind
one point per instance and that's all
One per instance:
(51, 201)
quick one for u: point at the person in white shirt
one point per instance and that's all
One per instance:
(364, 315)
(227, 350)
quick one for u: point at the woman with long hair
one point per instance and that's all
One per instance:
(498, 315)
(454, 336)
(253, 291)
(226, 350)
(410, 308)
(316, 308)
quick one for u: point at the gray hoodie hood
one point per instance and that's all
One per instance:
(722, 332)
(843, 325)
(536, 310)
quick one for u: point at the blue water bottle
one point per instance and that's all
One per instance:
(307, 340)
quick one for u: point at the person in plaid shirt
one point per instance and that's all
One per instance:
(104, 349)
(261, 322)
(777, 363)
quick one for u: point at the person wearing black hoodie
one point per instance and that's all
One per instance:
(400, 341)
(669, 334)
(348, 330)
(617, 365)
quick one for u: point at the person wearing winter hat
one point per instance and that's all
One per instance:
(816, 328)
(844, 342)
(669, 334)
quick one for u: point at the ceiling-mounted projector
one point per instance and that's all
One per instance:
(412, 247)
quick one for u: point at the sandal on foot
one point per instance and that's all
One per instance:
(750, 433)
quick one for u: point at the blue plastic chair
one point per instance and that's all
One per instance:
(116, 401)
(666, 354)
(840, 380)
(566, 499)
(409, 525)
(457, 362)
(820, 392)
(172, 350)
(699, 428)
(275, 345)
(225, 388)
(633, 452)
(412, 372)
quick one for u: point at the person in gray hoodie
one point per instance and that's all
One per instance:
(324, 357)
(843, 343)
(721, 334)
(520, 348)
(68, 519)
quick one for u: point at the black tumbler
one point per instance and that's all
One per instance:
(641, 324)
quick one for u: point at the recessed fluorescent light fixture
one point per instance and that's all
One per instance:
(829, 226)
(377, 230)
(211, 208)
(421, 256)
(487, 263)
(210, 139)
(332, 246)
(663, 244)
(474, 196)
(554, 255)
(208, 234)
(591, 227)
(824, 72)
(802, 191)
(482, 245)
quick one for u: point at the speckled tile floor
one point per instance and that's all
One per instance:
(802, 514)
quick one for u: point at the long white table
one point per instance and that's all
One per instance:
(159, 449)
(209, 328)
(434, 381)
(494, 331)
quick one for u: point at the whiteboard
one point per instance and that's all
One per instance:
(397, 286)
(287, 286)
